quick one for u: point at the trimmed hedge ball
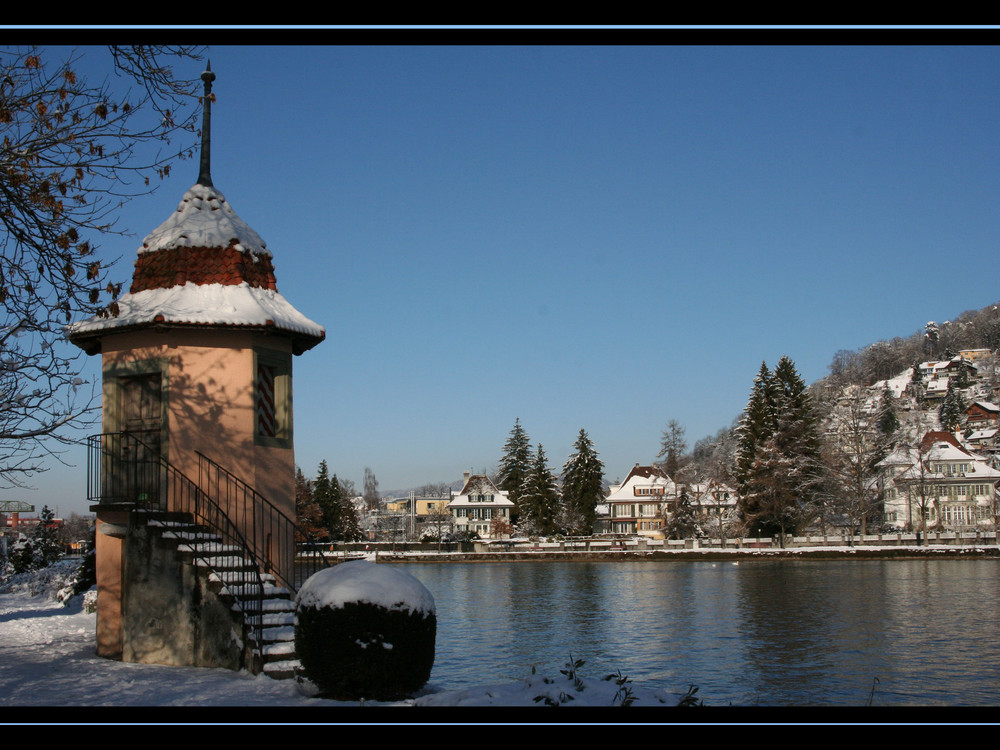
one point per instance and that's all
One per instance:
(365, 631)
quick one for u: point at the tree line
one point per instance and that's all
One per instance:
(324, 507)
(797, 456)
(541, 505)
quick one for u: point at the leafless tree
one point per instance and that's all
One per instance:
(440, 523)
(852, 449)
(72, 150)
(672, 447)
(371, 494)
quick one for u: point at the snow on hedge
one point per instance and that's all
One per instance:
(362, 581)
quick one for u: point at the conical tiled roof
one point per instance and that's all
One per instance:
(203, 266)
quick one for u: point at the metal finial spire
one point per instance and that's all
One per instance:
(205, 172)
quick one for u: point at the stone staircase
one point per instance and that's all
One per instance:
(248, 594)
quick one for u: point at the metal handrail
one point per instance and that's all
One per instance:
(272, 528)
(124, 469)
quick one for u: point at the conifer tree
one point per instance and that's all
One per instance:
(683, 522)
(326, 493)
(888, 421)
(583, 484)
(756, 425)
(779, 465)
(41, 549)
(308, 514)
(514, 465)
(350, 526)
(953, 409)
(539, 497)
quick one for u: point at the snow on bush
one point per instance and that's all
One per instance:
(52, 582)
(365, 631)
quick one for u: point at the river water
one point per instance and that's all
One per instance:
(761, 632)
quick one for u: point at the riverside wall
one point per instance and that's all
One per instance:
(732, 555)
(604, 549)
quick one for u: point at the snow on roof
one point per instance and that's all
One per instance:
(937, 436)
(204, 219)
(946, 451)
(645, 475)
(653, 473)
(480, 484)
(986, 406)
(982, 435)
(205, 304)
(204, 229)
(362, 581)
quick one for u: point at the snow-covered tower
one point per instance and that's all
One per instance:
(198, 360)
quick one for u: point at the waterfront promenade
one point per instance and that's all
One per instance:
(895, 545)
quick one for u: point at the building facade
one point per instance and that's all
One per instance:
(939, 485)
(477, 506)
(637, 505)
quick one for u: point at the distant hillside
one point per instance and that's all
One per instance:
(973, 329)
(884, 361)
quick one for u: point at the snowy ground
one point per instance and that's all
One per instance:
(47, 660)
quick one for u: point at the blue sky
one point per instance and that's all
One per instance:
(593, 237)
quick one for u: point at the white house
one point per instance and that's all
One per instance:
(637, 504)
(476, 505)
(941, 485)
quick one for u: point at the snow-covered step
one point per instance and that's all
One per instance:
(167, 524)
(282, 670)
(253, 589)
(284, 648)
(279, 619)
(210, 548)
(283, 634)
(237, 578)
(228, 569)
(194, 536)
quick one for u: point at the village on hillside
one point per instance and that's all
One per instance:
(910, 454)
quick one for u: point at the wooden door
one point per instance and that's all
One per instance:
(142, 419)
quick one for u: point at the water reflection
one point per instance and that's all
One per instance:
(770, 632)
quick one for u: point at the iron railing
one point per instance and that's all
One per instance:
(281, 547)
(127, 468)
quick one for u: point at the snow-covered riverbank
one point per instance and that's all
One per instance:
(47, 660)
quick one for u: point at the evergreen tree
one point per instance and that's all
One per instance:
(756, 425)
(917, 384)
(308, 514)
(795, 407)
(888, 421)
(768, 502)
(583, 484)
(41, 549)
(952, 409)
(514, 465)
(539, 497)
(326, 494)
(779, 466)
(683, 522)
(350, 525)
(932, 336)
